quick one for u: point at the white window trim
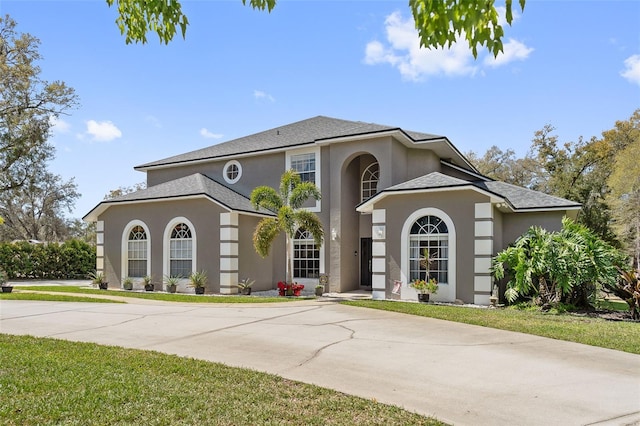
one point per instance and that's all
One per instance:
(124, 268)
(309, 281)
(166, 246)
(445, 292)
(226, 168)
(315, 150)
(362, 180)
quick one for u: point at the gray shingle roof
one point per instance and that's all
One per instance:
(294, 134)
(523, 198)
(520, 198)
(192, 185)
(432, 180)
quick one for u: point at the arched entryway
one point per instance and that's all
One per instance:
(429, 233)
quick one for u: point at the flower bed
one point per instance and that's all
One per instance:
(293, 289)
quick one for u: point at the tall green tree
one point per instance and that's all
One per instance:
(440, 23)
(624, 185)
(288, 204)
(503, 166)
(35, 211)
(28, 106)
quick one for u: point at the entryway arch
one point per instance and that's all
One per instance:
(433, 229)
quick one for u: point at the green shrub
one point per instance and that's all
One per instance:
(73, 259)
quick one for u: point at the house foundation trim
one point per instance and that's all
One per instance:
(228, 253)
(483, 251)
(379, 255)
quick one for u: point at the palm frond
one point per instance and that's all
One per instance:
(302, 192)
(266, 231)
(310, 221)
(266, 197)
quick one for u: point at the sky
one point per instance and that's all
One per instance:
(572, 64)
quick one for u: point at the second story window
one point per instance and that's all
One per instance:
(305, 165)
(370, 181)
(232, 171)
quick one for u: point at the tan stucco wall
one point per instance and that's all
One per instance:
(459, 206)
(264, 169)
(203, 214)
(266, 272)
(516, 224)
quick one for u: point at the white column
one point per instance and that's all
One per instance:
(379, 255)
(100, 246)
(228, 253)
(483, 251)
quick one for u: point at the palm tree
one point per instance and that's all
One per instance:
(287, 204)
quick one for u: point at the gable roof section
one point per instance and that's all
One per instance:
(318, 129)
(518, 198)
(193, 186)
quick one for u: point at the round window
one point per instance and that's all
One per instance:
(232, 171)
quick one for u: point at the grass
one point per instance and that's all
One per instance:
(612, 305)
(53, 297)
(47, 381)
(166, 297)
(618, 335)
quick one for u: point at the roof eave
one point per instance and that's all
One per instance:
(92, 216)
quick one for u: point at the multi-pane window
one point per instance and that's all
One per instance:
(305, 165)
(180, 251)
(137, 252)
(306, 256)
(429, 249)
(370, 181)
(232, 171)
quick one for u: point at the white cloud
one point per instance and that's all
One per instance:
(513, 50)
(58, 125)
(259, 94)
(403, 52)
(413, 62)
(632, 69)
(102, 131)
(207, 134)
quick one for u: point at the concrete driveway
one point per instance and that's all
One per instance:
(462, 374)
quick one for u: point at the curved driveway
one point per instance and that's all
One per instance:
(462, 374)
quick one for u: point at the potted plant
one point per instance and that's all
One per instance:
(319, 290)
(148, 285)
(172, 283)
(6, 288)
(198, 281)
(292, 289)
(127, 283)
(98, 279)
(425, 288)
(244, 286)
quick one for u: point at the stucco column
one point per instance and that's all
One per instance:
(379, 255)
(483, 251)
(228, 253)
(100, 246)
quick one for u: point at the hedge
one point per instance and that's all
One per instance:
(73, 259)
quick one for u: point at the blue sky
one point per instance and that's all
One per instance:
(572, 64)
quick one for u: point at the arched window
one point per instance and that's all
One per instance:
(180, 251)
(369, 186)
(306, 256)
(429, 249)
(137, 252)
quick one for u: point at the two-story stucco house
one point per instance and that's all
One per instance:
(388, 195)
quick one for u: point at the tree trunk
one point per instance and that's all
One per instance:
(289, 257)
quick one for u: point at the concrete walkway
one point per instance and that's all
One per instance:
(462, 374)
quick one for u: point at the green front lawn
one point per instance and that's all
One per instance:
(47, 381)
(53, 297)
(618, 335)
(166, 297)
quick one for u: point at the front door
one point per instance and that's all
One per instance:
(365, 262)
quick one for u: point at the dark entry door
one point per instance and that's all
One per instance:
(365, 262)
